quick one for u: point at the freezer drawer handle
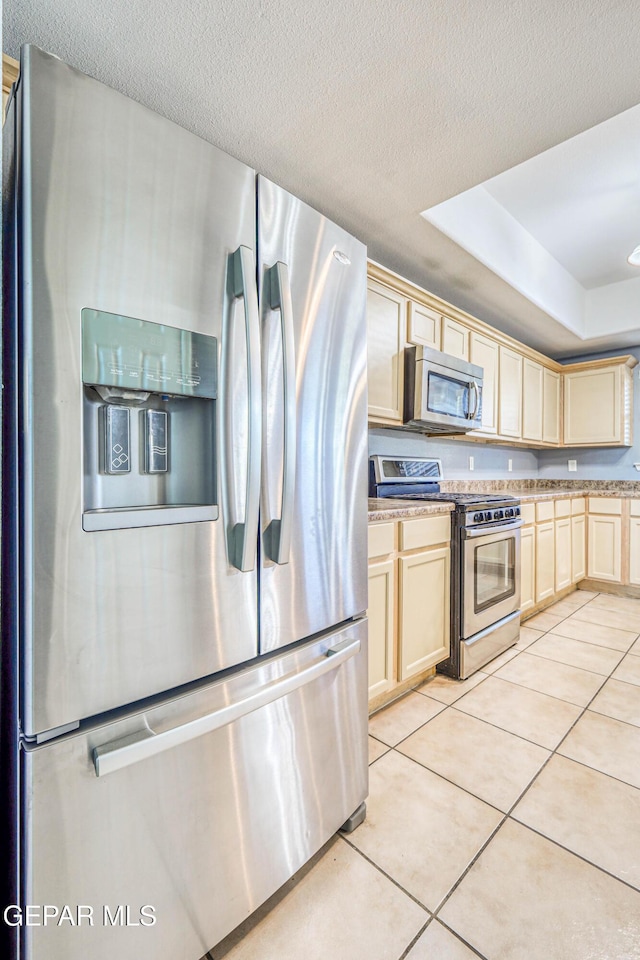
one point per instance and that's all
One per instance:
(128, 750)
(244, 536)
(277, 536)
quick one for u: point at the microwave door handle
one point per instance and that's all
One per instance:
(243, 539)
(277, 536)
(472, 413)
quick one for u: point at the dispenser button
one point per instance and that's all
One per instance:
(157, 441)
(117, 440)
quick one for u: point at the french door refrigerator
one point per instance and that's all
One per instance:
(184, 529)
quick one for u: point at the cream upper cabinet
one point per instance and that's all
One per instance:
(424, 610)
(551, 383)
(386, 332)
(455, 338)
(598, 405)
(563, 553)
(545, 561)
(527, 568)
(578, 548)
(381, 614)
(485, 352)
(423, 326)
(510, 418)
(532, 400)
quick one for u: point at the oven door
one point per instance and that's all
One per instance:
(490, 575)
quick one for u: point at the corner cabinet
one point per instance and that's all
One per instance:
(598, 403)
(409, 590)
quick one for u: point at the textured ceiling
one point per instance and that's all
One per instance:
(371, 111)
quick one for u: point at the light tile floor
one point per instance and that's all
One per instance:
(503, 820)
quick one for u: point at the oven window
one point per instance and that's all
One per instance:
(448, 396)
(494, 572)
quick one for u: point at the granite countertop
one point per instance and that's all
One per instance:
(403, 509)
(531, 490)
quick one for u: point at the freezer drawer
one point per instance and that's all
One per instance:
(200, 808)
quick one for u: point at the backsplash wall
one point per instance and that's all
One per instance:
(490, 460)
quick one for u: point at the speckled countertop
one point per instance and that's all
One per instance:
(528, 491)
(546, 489)
(402, 509)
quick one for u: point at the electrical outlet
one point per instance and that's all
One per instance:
(572, 466)
(472, 464)
(510, 465)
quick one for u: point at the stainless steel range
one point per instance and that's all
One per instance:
(485, 559)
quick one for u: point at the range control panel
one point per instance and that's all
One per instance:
(492, 516)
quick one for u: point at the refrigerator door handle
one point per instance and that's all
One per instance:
(244, 536)
(277, 536)
(132, 749)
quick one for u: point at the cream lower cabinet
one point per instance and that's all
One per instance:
(604, 558)
(381, 614)
(634, 542)
(424, 592)
(545, 561)
(578, 548)
(527, 568)
(563, 553)
(409, 589)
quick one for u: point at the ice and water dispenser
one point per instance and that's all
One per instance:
(148, 421)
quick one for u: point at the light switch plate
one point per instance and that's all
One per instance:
(472, 463)
(572, 466)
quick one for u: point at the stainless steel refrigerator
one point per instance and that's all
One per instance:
(184, 528)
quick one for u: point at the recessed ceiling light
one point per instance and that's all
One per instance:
(634, 257)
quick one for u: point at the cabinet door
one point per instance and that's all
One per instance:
(527, 568)
(423, 638)
(532, 393)
(386, 330)
(605, 548)
(578, 548)
(551, 406)
(455, 338)
(381, 614)
(593, 406)
(563, 553)
(634, 550)
(545, 561)
(423, 327)
(485, 353)
(510, 421)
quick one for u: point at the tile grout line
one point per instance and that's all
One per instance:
(433, 915)
(508, 816)
(385, 874)
(413, 942)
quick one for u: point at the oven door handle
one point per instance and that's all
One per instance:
(470, 533)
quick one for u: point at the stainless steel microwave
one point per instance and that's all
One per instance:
(442, 394)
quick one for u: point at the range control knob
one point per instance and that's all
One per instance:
(478, 517)
(487, 515)
(509, 512)
(498, 515)
(517, 511)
